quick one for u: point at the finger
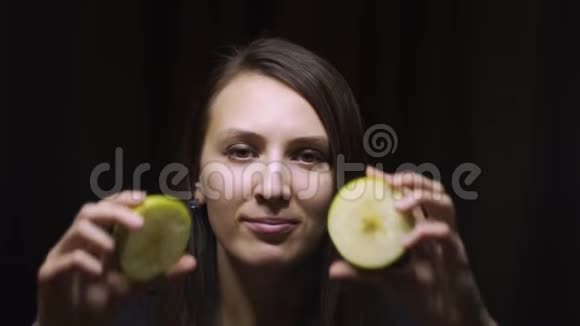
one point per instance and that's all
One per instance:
(389, 279)
(78, 260)
(453, 250)
(106, 214)
(371, 171)
(129, 198)
(118, 283)
(431, 200)
(424, 244)
(436, 205)
(96, 295)
(439, 254)
(424, 272)
(342, 270)
(86, 234)
(436, 242)
(184, 266)
(414, 180)
(407, 180)
(427, 232)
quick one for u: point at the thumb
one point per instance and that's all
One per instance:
(186, 264)
(341, 270)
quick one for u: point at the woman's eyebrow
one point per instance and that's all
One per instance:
(317, 141)
(239, 134)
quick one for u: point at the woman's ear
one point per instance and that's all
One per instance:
(199, 194)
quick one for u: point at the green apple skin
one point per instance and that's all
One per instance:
(160, 243)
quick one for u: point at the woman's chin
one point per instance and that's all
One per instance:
(268, 255)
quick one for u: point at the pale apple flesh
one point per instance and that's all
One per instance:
(364, 225)
(160, 243)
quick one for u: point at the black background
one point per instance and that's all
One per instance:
(493, 83)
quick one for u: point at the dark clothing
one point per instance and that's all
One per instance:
(142, 311)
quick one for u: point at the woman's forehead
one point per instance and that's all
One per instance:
(263, 105)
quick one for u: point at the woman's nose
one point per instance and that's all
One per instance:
(272, 182)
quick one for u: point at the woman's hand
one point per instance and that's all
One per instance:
(435, 284)
(78, 283)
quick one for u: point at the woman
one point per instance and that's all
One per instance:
(276, 119)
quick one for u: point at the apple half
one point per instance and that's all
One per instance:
(160, 243)
(365, 226)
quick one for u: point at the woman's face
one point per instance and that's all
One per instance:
(265, 175)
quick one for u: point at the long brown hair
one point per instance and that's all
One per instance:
(194, 302)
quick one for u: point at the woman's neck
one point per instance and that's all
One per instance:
(263, 296)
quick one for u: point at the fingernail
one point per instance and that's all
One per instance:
(138, 195)
(406, 241)
(403, 203)
(137, 220)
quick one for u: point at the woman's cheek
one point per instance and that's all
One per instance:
(217, 181)
(313, 189)
(314, 186)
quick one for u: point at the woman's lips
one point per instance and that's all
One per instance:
(270, 225)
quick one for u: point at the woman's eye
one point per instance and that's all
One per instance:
(311, 156)
(240, 153)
